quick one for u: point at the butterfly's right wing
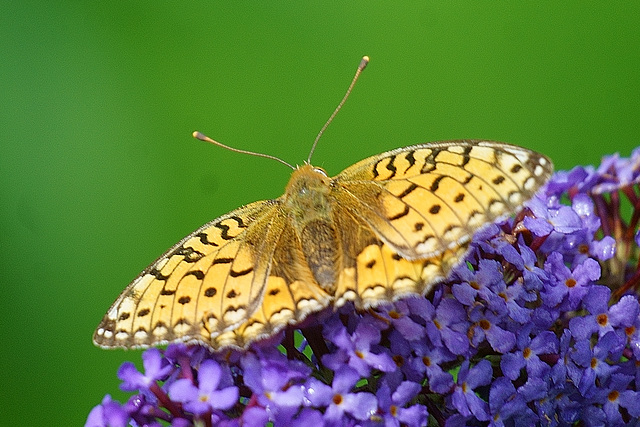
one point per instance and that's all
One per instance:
(406, 217)
(210, 284)
(426, 199)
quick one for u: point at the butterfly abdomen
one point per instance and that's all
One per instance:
(307, 201)
(318, 241)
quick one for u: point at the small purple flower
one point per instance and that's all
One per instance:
(565, 181)
(156, 368)
(564, 368)
(583, 206)
(615, 395)
(568, 287)
(624, 313)
(527, 354)
(596, 303)
(392, 409)
(339, 399)
(603, 249)
(464, 398)
(552, 217)
(205, 396)
(618, 172)
(476, 284)
(445, 325)
(357, 349)
(560, 403)
(429, 360)
(398, 314)
(487, 326)
(594, 362)
(109, 413)
(533, 275)
(507, 403)
(145, 411)
(632, 331)
(277, 383)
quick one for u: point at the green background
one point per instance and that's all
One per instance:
(99, 174)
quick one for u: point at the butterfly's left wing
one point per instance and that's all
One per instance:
(290, 292)
(427, 199)
(231, 282)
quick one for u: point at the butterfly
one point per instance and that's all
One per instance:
(389, 226)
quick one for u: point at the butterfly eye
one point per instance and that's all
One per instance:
(320, 171)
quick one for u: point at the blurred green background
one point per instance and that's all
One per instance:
(99, 173)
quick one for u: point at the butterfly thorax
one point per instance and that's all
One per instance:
(307, 201)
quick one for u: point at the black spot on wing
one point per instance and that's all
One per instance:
(239, 220)
(465, 155)
(197, 273)
(404, 213)
(222, 261)
(234, 273)
(409, 157)
(204, 238)
(436, 183)
(224, 231)
(375, 169)
(391, 167)
(190, 255)
(408, 191)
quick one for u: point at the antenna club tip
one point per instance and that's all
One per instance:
(364, 62)
(198, 135)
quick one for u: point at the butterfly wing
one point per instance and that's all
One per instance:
(421, 205)
(426, 199)
(211, 286)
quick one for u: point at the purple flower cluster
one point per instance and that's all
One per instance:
(540, 325)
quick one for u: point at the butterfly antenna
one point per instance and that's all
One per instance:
(205, 138)
(363, 64)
